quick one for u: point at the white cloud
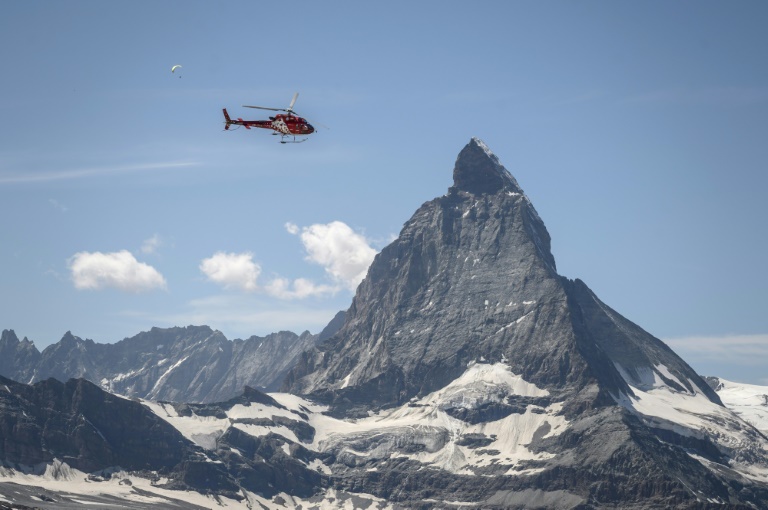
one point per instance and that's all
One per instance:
(232, 270)
(151, 245)
(119, 270)
(344, 254)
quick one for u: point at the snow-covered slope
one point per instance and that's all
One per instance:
(689, 413)
(425, 430)
(57, 486)
(748, 401)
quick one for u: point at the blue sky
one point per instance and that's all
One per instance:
(637, 129)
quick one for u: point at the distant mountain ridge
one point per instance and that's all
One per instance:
(189, 364)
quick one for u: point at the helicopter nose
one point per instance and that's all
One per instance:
(310, 128)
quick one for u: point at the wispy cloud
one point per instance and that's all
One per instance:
(723, 96)
(81, 173)
(300, 288)
(119, 270)
(151, 245)
(742, 349)
(58, 205)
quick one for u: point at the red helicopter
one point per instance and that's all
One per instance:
(284, 124)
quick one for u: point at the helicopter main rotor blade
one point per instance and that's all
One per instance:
(265, 108)
(293, 102)
(289, 109)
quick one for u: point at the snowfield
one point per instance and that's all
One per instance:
(748, 401)
(423, 425)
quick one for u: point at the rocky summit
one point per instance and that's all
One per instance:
(466, 374)
(547, 393)
(471, 278)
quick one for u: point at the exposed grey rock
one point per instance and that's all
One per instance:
(713, 382)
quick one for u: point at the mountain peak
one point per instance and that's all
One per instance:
(8, 337)
(478, 171)
(68, 339)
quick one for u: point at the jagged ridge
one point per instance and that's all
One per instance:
(192, 364)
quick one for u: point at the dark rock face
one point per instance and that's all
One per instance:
(192, 364)
(84, 426)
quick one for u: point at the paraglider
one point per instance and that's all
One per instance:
(173, 69)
